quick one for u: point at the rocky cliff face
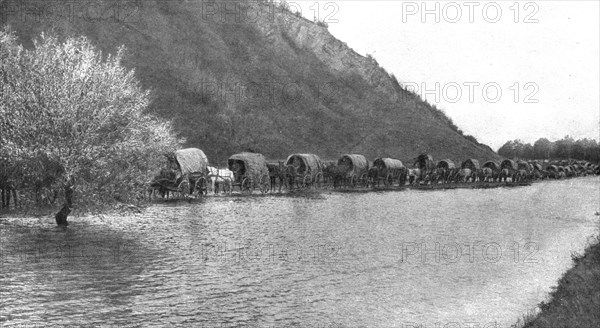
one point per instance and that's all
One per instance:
(337, 55)
(278, 84)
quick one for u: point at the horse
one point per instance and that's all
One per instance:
(220, 176)
(8, 183)
(506, 174)
(373, 176)
(6, 189)
(276, 172)
(159, 184)
(329, 171)
(522, 175)
(466, 175)
(403, 175)
(414, 176)
(291, 176)
(440, 174)
(487, 174)
(336, 173)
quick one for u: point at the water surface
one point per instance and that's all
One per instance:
(376, 259)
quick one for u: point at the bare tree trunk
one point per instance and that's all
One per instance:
(61, 217)
(15, 199)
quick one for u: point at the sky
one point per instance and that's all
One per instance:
(502, 70)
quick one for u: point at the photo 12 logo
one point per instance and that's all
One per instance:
(66, 253)
(246, 12)
(128, 11)
(470, 11)
(235, 253)
(490, 92)
(467, 252)
(451, 325)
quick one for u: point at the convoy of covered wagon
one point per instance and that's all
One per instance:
(187, 173)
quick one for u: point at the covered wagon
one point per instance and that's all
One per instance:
(445, 164)
(389, 170)
(495, 166)
(355, 168)
(523, 165)
(509, 165)
(424, 162)
(250, 172)
(306, 169)
(444, 171)
(471, 164)
(185, 173)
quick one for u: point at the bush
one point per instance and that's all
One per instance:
(62, 102)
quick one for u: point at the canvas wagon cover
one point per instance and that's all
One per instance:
(312, 163)
(388, 163)
(492, 165)
(255, 164)
(508, 164)
(471, 163)
(424, 162)
(536, 166)
(358, 163)
(191, 160)
(446, 163)
(522, 165)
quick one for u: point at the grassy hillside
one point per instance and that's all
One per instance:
(276, 84)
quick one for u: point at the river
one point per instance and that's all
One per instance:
(454, 258)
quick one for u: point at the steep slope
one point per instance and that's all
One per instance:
(275, 84)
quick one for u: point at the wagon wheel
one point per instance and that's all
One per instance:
(388, 180)
(200, 187)
(306, 181)
(264, 184)
(228, 185)
(247, 185)
(184, 188)
(318, 180)
(364, 180)
(353, 180)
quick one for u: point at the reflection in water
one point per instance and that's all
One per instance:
(376, 259)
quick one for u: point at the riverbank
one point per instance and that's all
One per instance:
(574, 303)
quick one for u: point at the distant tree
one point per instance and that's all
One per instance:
(507, 150)
(542, 148)
(591, 149)
(564, 147)
(577, 150)
(513, 149)
(526, 151)
(62, 102)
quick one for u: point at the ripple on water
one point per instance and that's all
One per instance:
(372, 259)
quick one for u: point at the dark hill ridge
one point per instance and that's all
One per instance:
(277, 84)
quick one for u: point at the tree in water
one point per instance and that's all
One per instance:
(61, 100)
